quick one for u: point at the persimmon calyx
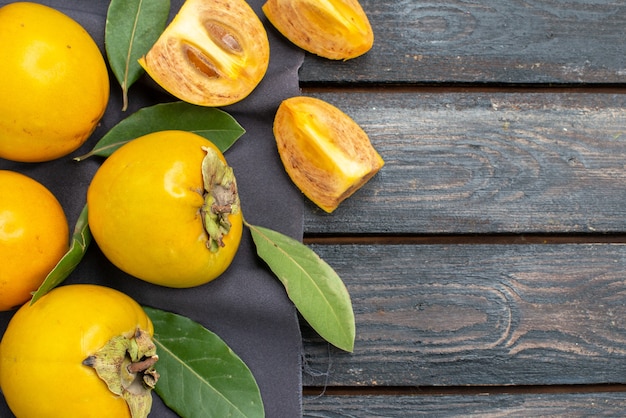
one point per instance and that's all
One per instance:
(126, 365)
(221, 198)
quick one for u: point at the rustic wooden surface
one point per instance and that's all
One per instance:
(486, 41)
(479, 315)
(480, 405)
(486, 162)
(486, 261)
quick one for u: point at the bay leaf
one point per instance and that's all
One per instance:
(132, 27)
(214, 124)
(200, 376)
(81, 238)
(313, 286)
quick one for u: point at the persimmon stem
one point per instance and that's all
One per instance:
(143, 365)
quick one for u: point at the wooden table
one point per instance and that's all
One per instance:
(486, 261)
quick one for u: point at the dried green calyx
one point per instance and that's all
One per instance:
(126, 365)
(221, 198)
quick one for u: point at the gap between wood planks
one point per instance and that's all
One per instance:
(459, 390)
(607, 88)
(478, 239)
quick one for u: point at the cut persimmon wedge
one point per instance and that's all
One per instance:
(334, 29)
(213, 53)
(325, 152)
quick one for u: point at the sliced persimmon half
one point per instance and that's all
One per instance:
(213, 53)
(326, 153)
(333, 29)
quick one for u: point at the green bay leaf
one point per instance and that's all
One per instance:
(313, 286)
(81, 238)
(200, 376)
(132, 27)
(214, 124)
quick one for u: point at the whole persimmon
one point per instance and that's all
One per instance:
(34, 236)
(54, 84)
(81, 350)
(164, 208)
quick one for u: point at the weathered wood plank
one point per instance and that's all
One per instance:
(501, 405)
(486, 41)
(477, 315)
(486, 163)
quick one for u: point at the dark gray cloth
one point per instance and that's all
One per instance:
(247, 306)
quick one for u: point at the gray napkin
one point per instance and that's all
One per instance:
(247, 306)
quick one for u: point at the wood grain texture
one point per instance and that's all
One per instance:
(486, 163)
(485, 41)
(453, 315)
(484, 160)
(491, 406)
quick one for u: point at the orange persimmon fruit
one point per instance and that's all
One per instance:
(213, 53)
(324, 151)
(334, 29)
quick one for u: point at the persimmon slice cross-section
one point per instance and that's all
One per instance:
(325, 153)
(213, 53)
(333, 29)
